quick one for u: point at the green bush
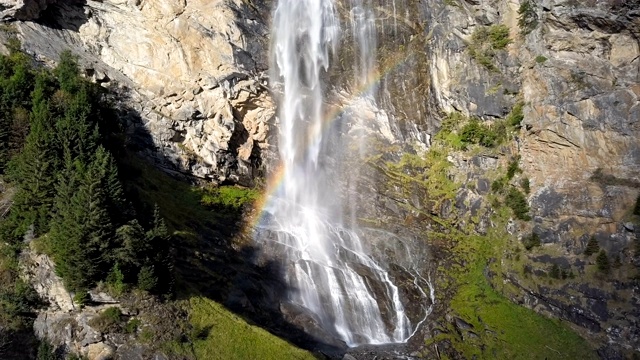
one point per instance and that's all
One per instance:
(81, 297)
(515, 117)
(525, 185)
(132, 326)
(485, 41)
(592, 247)
(528, 19)
(108, 320)
(602, 261)
(531, 241)
(475, 132)
(46, 351)
(518, 203)
(540, 59)
(498, 185)
(555, 272)
(147, 280)
(115, 281)
(499, 36)
(513, 168)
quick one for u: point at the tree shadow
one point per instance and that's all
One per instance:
(212, 246)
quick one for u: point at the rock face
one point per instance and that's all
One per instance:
(576, 70)
(193, 73)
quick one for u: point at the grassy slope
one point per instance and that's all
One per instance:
(225, 336)
(505, 330)
(230, 337)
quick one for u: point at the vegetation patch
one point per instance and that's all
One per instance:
(486, 41)
(541, 59)
(528, 19)
(500, 329)
(219, 334)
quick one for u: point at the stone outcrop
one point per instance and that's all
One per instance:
(192, 73)
(578, 73)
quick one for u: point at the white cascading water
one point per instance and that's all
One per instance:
(325, 262)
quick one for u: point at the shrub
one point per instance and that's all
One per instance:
(555, 271)
(108, 320)
(516, 115)
(636, 209)
(528, 19)
(81, 297)
(474, 132)
(602, 261)
(46, 351)
(592, 247)
(525, 185)
(513, 168)
(485, 41)
(531, 241)
(540, 59)
(115, 281)
(132, 326)
(499, 36)
(518, 203)
(498, 185)
(147, 280)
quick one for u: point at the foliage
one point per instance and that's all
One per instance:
(147, 280)
(476, 133)
(592, 247)
(515, 117)
(486, 41)
(528, 19)
(602, 262)
(555, 271)
(115, 281)
(541, 59)
(504, 329)
(46, 351)
(228, 197)
(498, 185)
(132, 326)
(107, 320)
(513, 168)
(230, 337)
(81, 297)
(525, 185)
(68, 184)
(531, 241)
(518, 203)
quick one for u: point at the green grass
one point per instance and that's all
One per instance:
(505, 330)
(230, 337)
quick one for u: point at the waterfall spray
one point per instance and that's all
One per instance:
(326, 263)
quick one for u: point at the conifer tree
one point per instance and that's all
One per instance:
(592, 247)
(34, 170)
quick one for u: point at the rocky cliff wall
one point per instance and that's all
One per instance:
(192, 73)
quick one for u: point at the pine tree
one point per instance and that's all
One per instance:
(67, 72)
(34, 171)
(592, 247)
(602, 261)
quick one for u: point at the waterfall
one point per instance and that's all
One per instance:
(326, 263)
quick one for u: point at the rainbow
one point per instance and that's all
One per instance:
(276, 178)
